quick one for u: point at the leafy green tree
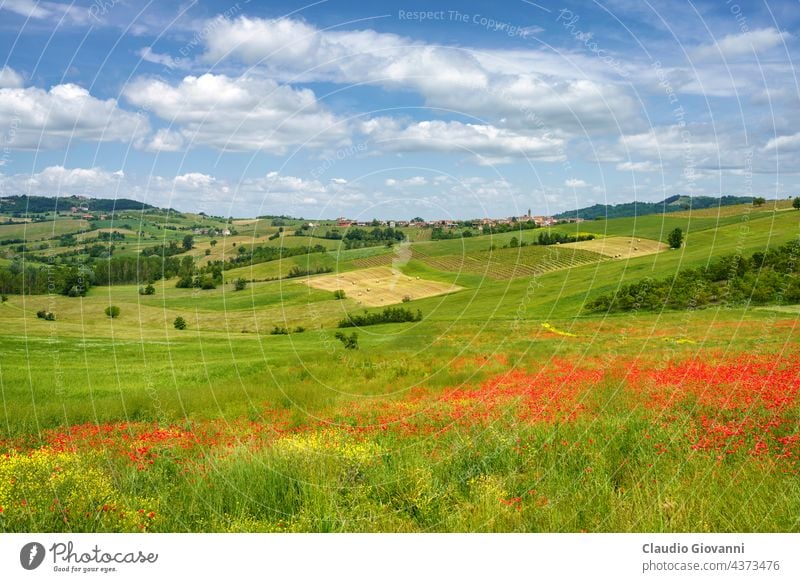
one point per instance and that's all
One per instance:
(179, 323)
(213, 242)
(759, 201)
(188, 242)
(514, 242)
(796, 203)
(349, 342)
(186, 267)
(339, 294)
(239, 284)
(675, 238)
(3, 298)
(112, 311)
(147, 290)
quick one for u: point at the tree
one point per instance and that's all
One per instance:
(179, 323)
(675, 239)
(112, 311)
(239, 284)
(339, 294)
(188, 242)
(148, 290)
(759, 201)
(3, 298)
(513, 243)
(796, 203)
(213, 242)
(349, 342)
(208, 252)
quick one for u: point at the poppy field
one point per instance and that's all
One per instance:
(692, 438)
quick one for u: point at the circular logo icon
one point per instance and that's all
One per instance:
(31, 555)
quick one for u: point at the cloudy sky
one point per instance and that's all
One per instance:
(466, 109)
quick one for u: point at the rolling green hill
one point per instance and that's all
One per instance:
(45, 204)
(507, 385)
(672, 204)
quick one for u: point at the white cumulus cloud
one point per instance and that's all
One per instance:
(49, 119)
(239, 113)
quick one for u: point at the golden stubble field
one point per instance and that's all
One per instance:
(620, 247)
(380, 286)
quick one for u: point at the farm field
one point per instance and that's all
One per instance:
(380, 286)
(513, 262)
(620, 247)
(508, 408)
(34, 231)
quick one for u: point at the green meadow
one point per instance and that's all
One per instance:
(507, 408)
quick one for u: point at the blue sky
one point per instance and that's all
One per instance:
(398, 109)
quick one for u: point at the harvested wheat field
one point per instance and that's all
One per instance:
(380, 286)
(620, 247)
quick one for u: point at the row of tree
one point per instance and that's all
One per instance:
(73, 281)
(388, 315)
(764, 278)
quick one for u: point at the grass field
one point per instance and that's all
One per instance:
(507, 408)
(41, 230)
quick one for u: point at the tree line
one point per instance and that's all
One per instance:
(768, 277)
(388, 315)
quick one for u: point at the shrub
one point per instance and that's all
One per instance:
(3, 298)
(112, 311)
(239, 284)
(277, 330)
(349, 342)
(148, 290)
(299, 329)
(406, 298)
(185, 282)
(339, 294)
(179, 323)
(207, 283)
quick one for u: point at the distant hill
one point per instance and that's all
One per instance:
(672, 204)
(38, 204)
